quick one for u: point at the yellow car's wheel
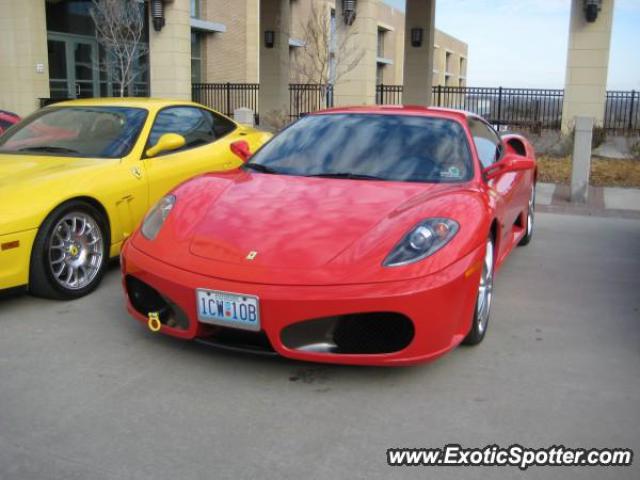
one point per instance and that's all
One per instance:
(70, 252)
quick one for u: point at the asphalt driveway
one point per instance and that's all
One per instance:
(87, 393)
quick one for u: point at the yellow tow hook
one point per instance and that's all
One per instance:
(154, 322)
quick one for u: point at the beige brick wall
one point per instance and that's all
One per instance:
(455, 73)
(170, 53)
(231, 56)
(23, 45)
(392, 21)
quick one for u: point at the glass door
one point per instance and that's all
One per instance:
(85, 65)
(73, 66)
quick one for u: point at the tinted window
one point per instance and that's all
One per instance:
(196, 125)
(487, 142)
(107, 132)
(390, 147)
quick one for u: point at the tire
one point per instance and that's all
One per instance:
(482, 310)
(531, 209)
(70, 253)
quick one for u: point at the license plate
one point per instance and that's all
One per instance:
(228, 309)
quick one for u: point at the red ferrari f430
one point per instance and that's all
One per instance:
(364, 235)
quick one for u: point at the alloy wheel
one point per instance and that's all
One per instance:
(76, 251)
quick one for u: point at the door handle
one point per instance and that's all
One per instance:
(78, 90)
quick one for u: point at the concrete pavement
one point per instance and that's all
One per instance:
(86, 393)
(602, 201)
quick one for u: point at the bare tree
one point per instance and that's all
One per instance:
(120, 31)
(324, 58)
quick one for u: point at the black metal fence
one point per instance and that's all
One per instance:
(530, 108)
(621, 113)
(513, 107)
(309, 97)
(226, 97)
(388, 94)
(524, 107)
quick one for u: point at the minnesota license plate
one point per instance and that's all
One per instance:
(228, 309)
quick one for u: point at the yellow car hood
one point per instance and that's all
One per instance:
(30, 186)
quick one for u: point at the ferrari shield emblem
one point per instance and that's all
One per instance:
(252, 254)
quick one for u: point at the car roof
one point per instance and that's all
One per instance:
(140, 102)
(400, 110)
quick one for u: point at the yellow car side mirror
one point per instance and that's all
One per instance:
(166, 143)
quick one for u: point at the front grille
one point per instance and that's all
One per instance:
(238, 340)
(359, 333)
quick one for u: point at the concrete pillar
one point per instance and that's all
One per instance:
(274, 62)
(418, 61)
(581, 161)
(170, 53)
(24, 65)
(587, 64)
(357, 85)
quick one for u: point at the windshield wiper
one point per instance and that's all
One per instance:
(348, 175)
(258, 167)
(48, 149)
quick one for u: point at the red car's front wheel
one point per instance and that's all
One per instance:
(483, 301)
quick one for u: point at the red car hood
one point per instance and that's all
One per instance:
(294, 222)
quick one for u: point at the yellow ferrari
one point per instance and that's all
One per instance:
(77, 177)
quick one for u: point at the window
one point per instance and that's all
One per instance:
(399, 148)
(196, 125)
(487, 142)
(379, 74)
(448, 62)
(196, 57)
(381, 33)
(93, 132)
(195, 8)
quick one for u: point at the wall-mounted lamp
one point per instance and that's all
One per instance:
(591, 9)
(269, 38)
(349, 11)
(157, 14)
(416, 37)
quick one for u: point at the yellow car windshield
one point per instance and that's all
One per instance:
(97, 132)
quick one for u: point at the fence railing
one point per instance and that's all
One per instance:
(309, 97)
(622, 111)
(524, 107)
(504, 107)
(226, 97)
(513, 107)
(388, 94)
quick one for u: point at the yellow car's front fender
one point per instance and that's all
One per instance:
(15, 254)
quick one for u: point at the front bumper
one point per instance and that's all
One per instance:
(439, 307)
(15, 254)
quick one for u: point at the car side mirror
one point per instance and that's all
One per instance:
(510, 163)
(166, 143)
(241, 149)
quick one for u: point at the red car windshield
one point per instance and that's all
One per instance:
(369, 146)
(100, 132)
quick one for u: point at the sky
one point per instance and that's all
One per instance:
(523, 43)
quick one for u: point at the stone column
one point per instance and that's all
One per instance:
(581, 160)
(24, 71)
(418, 61)
(357, 86)
(170, 52)
(274, 62)
(587, 65)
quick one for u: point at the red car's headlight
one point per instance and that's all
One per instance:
(423, 240)
(156, 217)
